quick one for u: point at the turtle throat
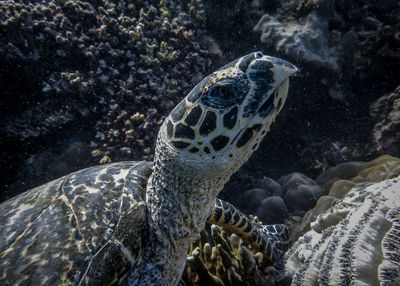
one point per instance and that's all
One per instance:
(179, 202)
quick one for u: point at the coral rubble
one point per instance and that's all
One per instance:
(356, 242)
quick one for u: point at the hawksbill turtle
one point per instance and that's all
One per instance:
(131, 223)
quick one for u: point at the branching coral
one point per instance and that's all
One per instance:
(116, 59)
(230, 261)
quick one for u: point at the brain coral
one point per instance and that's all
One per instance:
(337, 181)
(122, 62)
(355, 242)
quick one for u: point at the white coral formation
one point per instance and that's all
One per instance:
(355, 242)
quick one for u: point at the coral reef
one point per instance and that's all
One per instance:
(296, 200)
(127, 62)
(337, 182)
(379, 169)
(386, 112)
(348, 57)
(355, 242)
(307, 40)
(334, 34)
(221, 258)
(348, 53)
(322, 155)
(266, 203)
(272, 187)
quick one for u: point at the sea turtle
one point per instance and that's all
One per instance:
(131, 223)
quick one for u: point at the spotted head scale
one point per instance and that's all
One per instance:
(224, 118)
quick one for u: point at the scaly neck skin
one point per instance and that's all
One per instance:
(179, 201)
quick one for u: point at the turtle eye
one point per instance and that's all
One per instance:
(259, 55)
(223, 94)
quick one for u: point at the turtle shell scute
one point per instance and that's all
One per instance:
(88, 225)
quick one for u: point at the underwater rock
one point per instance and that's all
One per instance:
(333, 34)
(303, 199)
(342, 171)
(382, 168)
(272, 28)
(307, 39)
(253, 197)
(272, 201)
(386, 133)
(300, 192)
(271, 187)
(342, 48)
(266, 203)
(355, 241)
(272, 210)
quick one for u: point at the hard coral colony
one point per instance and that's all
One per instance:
(127, 61)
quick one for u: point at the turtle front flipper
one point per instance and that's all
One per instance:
(271, 240)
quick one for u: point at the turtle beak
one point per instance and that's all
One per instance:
(270, 78)
(281, 69)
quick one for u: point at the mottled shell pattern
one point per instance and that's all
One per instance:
(89, 225)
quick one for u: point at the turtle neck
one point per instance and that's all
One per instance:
(179, 200)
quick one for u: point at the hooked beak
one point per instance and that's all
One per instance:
(271, 80)
(281, 69)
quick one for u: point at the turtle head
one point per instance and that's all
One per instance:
(224, 118)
